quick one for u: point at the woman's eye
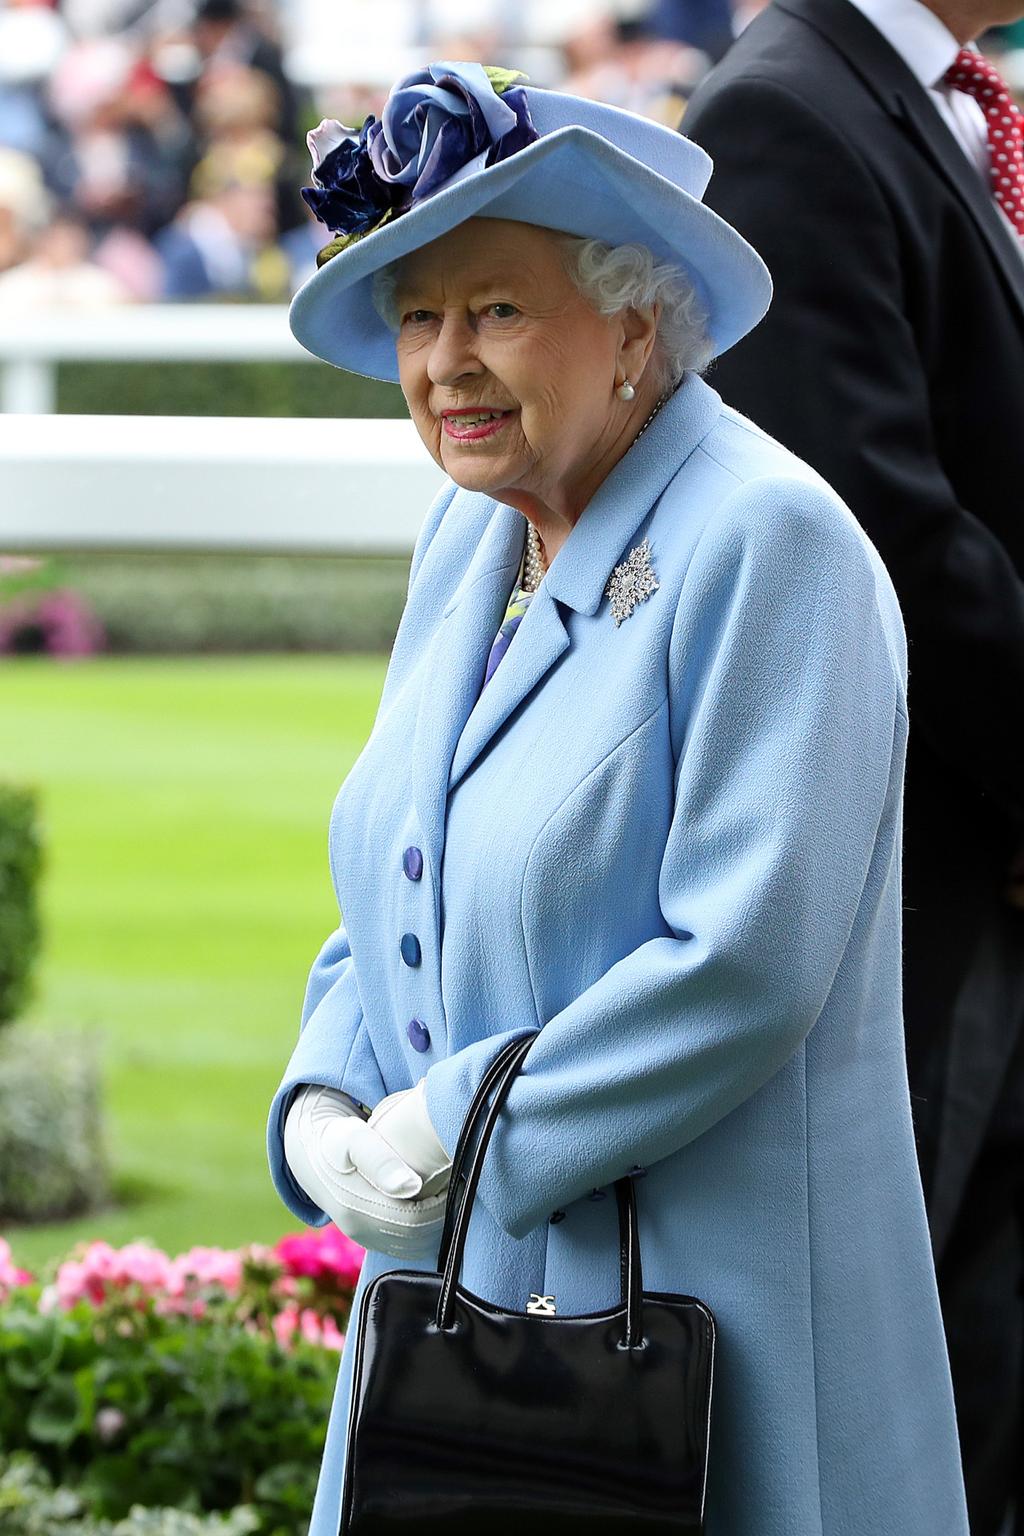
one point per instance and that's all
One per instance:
(502, 311)
(417, 316)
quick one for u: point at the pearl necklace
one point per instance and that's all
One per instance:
(534, 565)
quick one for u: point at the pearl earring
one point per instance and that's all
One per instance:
(625, 390)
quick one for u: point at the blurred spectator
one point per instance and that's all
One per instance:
(225, 241)
(128, 150)
(235, 104)
(59, 273)
(621, 63)
(24, 206)
(172, 133)
(301, 246)
(32, 39)
(703, 24)
(226, 36)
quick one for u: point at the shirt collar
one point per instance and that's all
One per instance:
(923, 42)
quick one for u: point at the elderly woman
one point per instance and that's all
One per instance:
(634, 786)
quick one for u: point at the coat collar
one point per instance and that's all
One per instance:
(454, 721)
(897, 88)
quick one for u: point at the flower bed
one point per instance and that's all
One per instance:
(38, 615)
(202, 1381)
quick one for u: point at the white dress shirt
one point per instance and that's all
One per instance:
(928, 48)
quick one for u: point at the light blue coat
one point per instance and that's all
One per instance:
(674, 848)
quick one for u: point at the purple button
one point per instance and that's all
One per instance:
(410, 947)
(419, 1035)
(412, 863)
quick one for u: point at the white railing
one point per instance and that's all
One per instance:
(214, 483)
(33, 345)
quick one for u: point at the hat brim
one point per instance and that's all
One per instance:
(572, 180)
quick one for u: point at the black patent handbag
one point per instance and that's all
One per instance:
(469, 1420)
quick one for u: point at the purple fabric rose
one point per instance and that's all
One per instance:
(439, 125)
(444, 123)
(346, 195)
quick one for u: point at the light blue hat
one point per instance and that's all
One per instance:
(588, 169)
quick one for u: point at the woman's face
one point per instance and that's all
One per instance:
(508, 373)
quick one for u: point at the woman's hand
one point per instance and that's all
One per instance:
(397, 1150)
(324, 1133)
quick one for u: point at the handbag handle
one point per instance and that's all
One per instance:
(483, 1115)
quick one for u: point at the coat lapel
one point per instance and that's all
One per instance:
(580, 571)
(453, 667)
(892, 82)
(539, 641)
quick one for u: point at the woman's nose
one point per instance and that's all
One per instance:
(453, 351)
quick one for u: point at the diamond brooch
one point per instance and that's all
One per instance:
(632, 582)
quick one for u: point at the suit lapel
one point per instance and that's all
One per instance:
(939, 145)
(897, 88)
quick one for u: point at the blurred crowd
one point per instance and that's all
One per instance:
(153, 149)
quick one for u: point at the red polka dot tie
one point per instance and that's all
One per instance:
(973, 73)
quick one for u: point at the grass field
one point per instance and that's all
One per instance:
(186, 806)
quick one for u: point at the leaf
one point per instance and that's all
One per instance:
(56, 1415)
(30, 1347)
(342, 242)
(501, 79)
(289, 1483)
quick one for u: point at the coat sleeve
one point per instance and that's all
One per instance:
(836, 373)
(334, 1047)
(784, 691)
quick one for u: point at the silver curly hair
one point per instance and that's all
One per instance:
(612, 278)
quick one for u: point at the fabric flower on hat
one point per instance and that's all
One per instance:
(439, 124)
(346, 194)
(443, 123)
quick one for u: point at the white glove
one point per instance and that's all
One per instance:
(397, 1150)
(319, 1129)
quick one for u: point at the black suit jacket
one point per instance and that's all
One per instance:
(892, 359)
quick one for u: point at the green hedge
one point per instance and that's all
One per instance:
(20, 862)
(230, 603)
(134, 1407)
(222, 389)
(52, 1161)
(30, 1505)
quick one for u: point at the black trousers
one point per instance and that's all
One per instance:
(981, 1287)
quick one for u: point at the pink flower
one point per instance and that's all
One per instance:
(10, 1274)
(57, 623)
(102, 1271)
(140, 1264)
(299, 1254)
(108, 1424)
(260, 1253)
(325, 1252)
(49, 1301)
(309, 1324)
(284, 1325)
(331, 1336)
(206, 1266)
(341, 1255)
(75, 1284)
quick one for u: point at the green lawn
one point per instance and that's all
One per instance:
(186, 804)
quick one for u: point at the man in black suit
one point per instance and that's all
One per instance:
(892, 359)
